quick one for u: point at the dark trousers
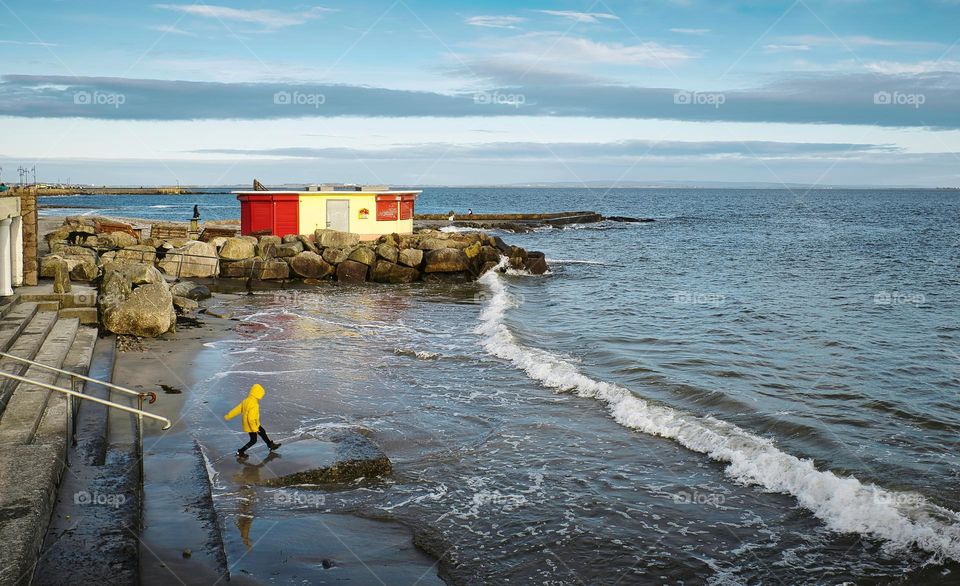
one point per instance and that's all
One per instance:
(253, 439)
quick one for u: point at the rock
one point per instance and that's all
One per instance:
(184, 305)
(137, 273)
(336, 256)
(308, 245)
(345, 457)
(81, 263)
(388, 272)
(310, 265)
(517, 252)
(290, 238)
(489, 254)
(172, 243)
(114, 289)
(241, 269)
(147, 312)
(335, 239)
(193, 259)
(137, 253)
(433, 244)
(502, 246)
(289, 249)
(187, 553)
(219, 311)
(266, 244)
(238, 248)
(473, 251)
(445, 260)
(251, 239)
(274, 269)
(190, 290)
(487, 266)
(218, 241)
(61, 277)
(536, 263)
(388, 252)
(410, 257)
(351, 271)
(116, 240)
(364, 254)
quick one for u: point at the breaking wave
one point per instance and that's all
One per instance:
(844, 504)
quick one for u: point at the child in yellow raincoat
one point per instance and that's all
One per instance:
(249, 411)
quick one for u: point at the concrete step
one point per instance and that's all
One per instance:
(13, 323)
(88, 316)
(26, 346)
(19, 421)
(98, 498)
(80, 295)
(26, 501)
(51, 429)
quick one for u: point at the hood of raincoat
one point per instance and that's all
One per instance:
(257, 392)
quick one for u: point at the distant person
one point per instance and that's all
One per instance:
(249, 410)
(451, 216)
(470, 212)
(196, 212)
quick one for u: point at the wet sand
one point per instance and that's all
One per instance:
(238, 543)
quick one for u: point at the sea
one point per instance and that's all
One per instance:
(757, 387)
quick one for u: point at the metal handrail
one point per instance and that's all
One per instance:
(148, 394)
(138, 412)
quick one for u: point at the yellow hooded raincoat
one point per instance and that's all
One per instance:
(249, 408)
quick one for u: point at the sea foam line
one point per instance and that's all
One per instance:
(844, 504)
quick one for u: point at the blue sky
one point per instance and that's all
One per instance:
(415, 92)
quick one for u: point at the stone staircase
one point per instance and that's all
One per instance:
(34, 422)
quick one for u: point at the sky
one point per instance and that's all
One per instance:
(408, 92)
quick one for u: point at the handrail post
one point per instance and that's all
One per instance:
(140, 445)
(73, 428)
(67, 431)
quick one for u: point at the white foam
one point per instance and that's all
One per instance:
(573, 261)
(844, 503)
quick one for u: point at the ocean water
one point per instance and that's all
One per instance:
(758, 387)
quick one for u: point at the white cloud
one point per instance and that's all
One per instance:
(690, 31)
(510, 22)
(859, 41)
(544, 48)
(171, 30)
(581, 16)
(29, 43)
(900, 68)
(269, 19)
(777, 48)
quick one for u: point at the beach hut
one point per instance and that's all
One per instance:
(369, 211)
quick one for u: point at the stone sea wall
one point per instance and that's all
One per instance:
(133, 273)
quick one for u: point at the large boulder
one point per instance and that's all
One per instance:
(445, 260)
(351, 271)
(536, 263)
(489, 254)
(365, 255)
(411, 257)
(335, 256)
(137, 253)
(288, 249)
(136, 273)
(238, 248)
(388, 252)
(183, 305)
(61, 277)
(308, 245)
(82, 263)
(287, 239)
(146, 312)
(241, 269)
(336, 239)
(266, 246)
(193, 259)
(388, 272)
(274, 269)
(310, 265)
(111, 240)
(190, 290)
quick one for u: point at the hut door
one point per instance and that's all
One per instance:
(338, 214)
